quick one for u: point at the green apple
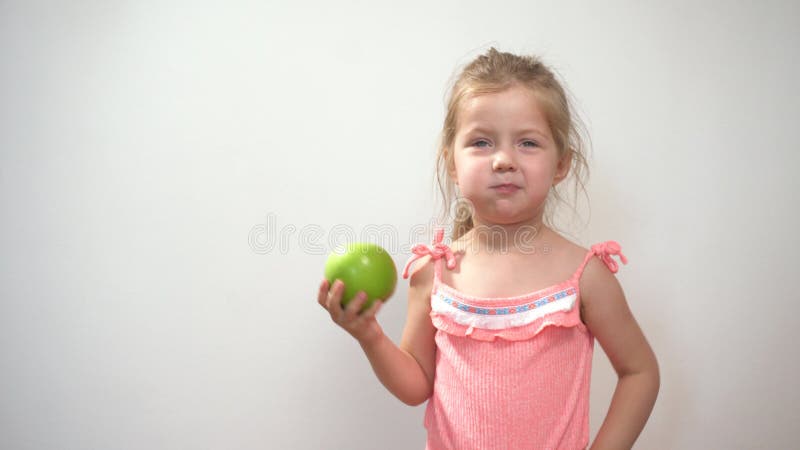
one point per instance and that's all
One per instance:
(362, 266)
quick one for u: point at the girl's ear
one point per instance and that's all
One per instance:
(562, 169)
(451, 166)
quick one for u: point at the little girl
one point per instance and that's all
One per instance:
(500, 343)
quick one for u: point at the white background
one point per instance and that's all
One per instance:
(142, 143)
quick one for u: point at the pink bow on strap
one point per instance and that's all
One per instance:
(437, 251)
(605, 250)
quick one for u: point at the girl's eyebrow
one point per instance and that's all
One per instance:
(479, 129)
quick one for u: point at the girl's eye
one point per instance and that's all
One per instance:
(526, 143)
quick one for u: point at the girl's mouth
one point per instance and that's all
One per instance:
(506, 188)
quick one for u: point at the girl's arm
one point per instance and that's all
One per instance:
(406, 371)
(608, 317)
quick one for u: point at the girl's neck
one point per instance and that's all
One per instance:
(521, 238)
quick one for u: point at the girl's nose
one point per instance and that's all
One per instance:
(503, 161)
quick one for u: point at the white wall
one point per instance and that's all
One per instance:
(142, 142)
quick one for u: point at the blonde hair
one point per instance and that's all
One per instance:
(494, 72)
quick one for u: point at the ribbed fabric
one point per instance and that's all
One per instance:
(511, 373)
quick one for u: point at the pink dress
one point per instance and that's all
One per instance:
(511, 373)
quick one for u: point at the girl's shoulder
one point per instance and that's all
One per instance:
(593, 260)
(420, 283)
(421, 272)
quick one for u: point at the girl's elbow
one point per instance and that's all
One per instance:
(414, 402)
(656, 373)
(651, 376)
(418, 400)
(657, 379)
(651, 370)
(648, 369)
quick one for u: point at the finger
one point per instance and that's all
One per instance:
(335, 299)
(373, 310)
(354, 307)
(322, 295)
(370, 312)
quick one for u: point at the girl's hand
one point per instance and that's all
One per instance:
(364, 327)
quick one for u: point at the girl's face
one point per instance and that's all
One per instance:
(505, 157)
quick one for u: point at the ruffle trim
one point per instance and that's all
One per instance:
(568, 318)
(513, 327)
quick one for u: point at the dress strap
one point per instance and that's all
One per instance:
(604, 250)
(437, 251)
